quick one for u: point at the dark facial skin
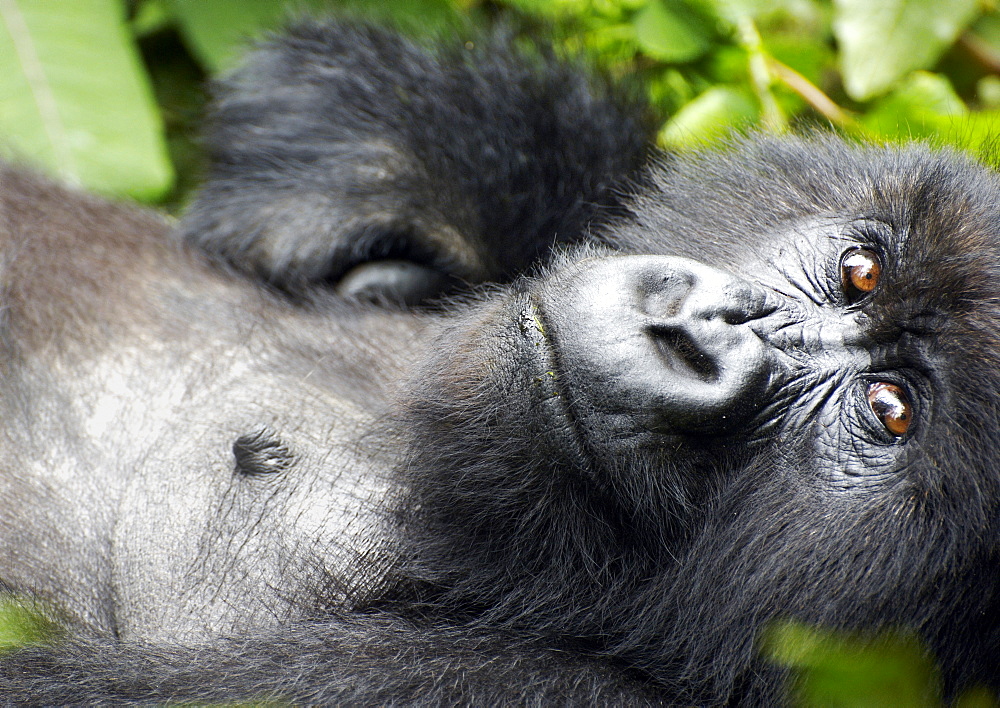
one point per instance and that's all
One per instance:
(665, 346)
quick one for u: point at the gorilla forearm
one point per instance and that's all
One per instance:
(370, 659)
(419, 167)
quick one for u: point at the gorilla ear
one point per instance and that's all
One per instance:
(356, 217)
(343, 156)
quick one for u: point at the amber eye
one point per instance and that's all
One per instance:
(859, 273)
(891, 406)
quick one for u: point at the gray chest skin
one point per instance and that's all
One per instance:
(176, 445)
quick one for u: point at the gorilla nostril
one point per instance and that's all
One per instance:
(735, 304)
(739, 315)
(663, 296)
(682, 355)
(699, 292)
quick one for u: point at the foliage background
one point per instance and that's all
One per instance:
(108, 94)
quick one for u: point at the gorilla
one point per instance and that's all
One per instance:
(448, 391)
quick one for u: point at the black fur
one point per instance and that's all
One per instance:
(337, 146)
(550, 492)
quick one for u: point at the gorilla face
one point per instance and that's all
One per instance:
(663, 348)
(823, 328)
(752, 408)
(769, 390)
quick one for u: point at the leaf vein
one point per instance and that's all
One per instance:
(41, 89)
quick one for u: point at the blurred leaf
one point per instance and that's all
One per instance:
(20, 624)
(803, 53)
(987, 30)
(672, 31)
(735, 10)
(915, 109)
(74, 96)
(881, 41)
(838, 670)
(409, 15)
(728, 64)
(219, 31)
(668, 89)
(150, 16)
(713, 114)
(977, 698)
(988, 91)
(179, 85)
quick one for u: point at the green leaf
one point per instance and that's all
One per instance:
(74, 97)
(835, 669)
(412, 16)
(150, 16)
(671, 31)
(987, 30)
(916, 108)
(219, 31)
(21, 624)
(712, 115)
(785, 14)
(805, 53)
(988, 91)
(883, 40)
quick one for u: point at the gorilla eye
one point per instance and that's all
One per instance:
(859, 273)
(891, 406)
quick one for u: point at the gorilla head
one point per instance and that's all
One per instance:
(772, 400)
(769, 390)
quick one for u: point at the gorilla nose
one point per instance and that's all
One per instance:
(661, 342)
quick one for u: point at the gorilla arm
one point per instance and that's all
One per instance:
(350, 157)
(370, 659)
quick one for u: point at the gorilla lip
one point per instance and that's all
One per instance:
(542, 357)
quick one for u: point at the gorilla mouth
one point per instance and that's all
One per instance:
(563, 432)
